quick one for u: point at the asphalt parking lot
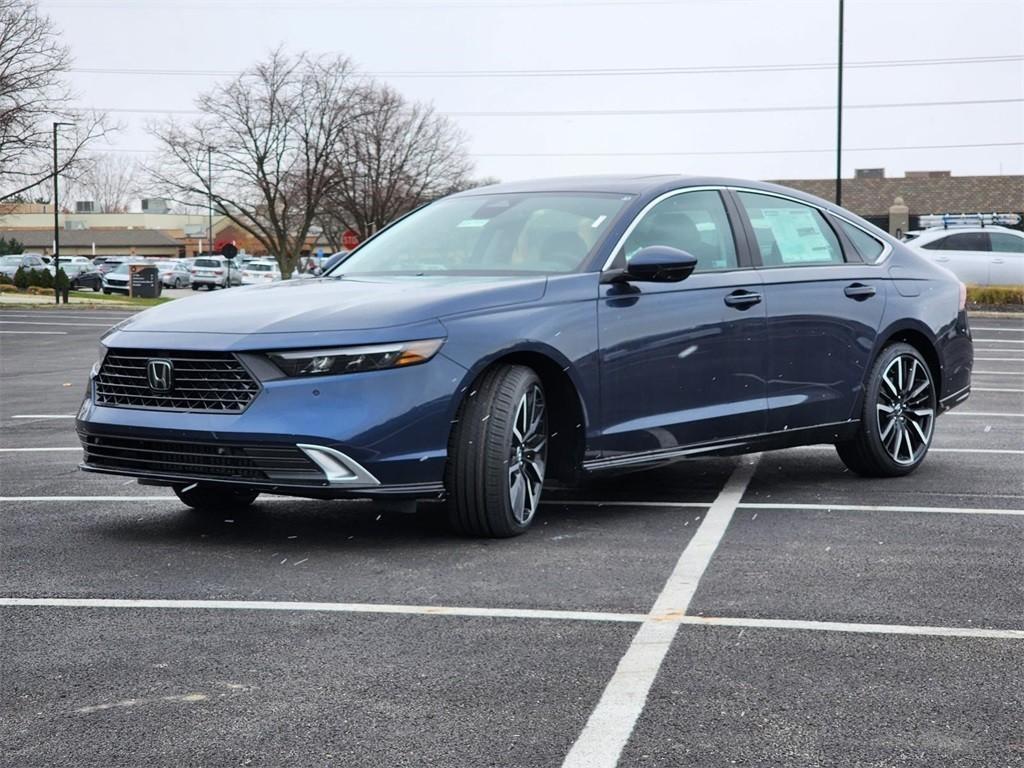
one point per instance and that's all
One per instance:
(759, 611)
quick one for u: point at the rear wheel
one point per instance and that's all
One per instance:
(215, 498)
(498, 454)
(897, 419)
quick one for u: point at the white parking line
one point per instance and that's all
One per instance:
(37, 333)
(999, 359)
(882, 508)
(507, 613)
(88, 498)
(1019, 329)
(984, 413)
(98, 315)
(612, 721)
(40, 450)
(75, 325)
(998, 373)
(44, 416)
(990, 389)
(268, 605)
(840, 626)
(999, 341)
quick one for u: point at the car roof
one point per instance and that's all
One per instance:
(934, 233)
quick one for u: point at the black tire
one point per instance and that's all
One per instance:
(95, 289)
(490, 468)
(195, 287)
(106, 292)
(215, 498)
(897, 419)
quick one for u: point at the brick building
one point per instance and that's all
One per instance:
(870, 193)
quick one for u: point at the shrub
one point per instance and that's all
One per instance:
(990, 295)
(5, 280)
(21, 279)
(61, 282)
(40, 277)
(38, 290)
(7, 288)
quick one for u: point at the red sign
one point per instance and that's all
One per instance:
(349, 240)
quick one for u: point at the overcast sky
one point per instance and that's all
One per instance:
(407, 41)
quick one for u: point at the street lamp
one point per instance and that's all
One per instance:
(209, 197)
(56, 223)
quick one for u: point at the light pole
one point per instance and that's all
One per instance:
(209, 196)
(839, 115)
(56, 222)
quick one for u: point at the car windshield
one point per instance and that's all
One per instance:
(122, 269)
(548, 232)
(256, 267)
(11, 261)
(168, 265)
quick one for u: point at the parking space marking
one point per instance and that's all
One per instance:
(984, 413)
(270, 605)
(44, 416)
(74, 325)
(999, 359)
(999, 341)
(990, 389)
(882, 508)
(840, 626)
(1018, 329)
(37, 333)
(998, 373)
(98, 315)
(613, 719)
(88, 498)
(98, 603)
(39, 450)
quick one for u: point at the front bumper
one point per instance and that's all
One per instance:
(388, 428)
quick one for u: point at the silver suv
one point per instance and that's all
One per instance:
(214, 272)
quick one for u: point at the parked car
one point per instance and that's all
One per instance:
(174, 274)
(214, 272)
(498, 338)
(977, 255)
(111, 263)
(117, 279)
(258, 272)
(89, 277)
(9, 265)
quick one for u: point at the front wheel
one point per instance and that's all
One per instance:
(213, 498)
(898, 416)
(498, 454)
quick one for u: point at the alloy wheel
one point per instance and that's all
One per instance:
(905, 409)
(528, 456)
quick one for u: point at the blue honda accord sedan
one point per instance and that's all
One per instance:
(512, 335)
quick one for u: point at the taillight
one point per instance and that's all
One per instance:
(963, 297)
(218, 271)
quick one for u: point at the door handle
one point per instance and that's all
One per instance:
(859, 291)
(997, 261)
(942, 258)
(742, 299)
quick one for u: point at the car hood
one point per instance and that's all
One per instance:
(330, 304)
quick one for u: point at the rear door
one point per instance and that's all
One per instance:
(965, 254)
(824, 303)
(682, 363)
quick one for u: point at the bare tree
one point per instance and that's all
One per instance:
(270, 134)
(34, 94)
(108, 180)
(394, 156)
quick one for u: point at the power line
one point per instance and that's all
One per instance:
(598, 72)
(640, 112)
(747, 151)
(694, 153)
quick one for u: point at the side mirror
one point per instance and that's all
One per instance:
(655, 264)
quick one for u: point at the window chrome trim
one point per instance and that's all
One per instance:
(647, 209)
(887, 247)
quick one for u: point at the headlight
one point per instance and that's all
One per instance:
(336, 360)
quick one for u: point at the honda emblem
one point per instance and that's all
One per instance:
(160, 374)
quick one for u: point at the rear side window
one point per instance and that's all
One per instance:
(790, 234)
(207, 263)
(961, 241)
(1005, 243)
(694, 222)
(867, 246)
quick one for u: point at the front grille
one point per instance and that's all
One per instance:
(198, 460)
(201, 381)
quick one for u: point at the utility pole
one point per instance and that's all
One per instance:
(839, 115)
(56, 220)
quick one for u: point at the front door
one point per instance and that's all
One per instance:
(823, 309)
(682, 363)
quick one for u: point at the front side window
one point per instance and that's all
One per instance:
(694, 222)
(790, 234)
(529, 232)
(1006, 243)
(867, 246)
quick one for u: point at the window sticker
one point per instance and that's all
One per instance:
(472, 223)
(797, 234)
